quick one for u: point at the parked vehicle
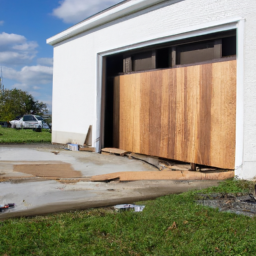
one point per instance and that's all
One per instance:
(44, 124)
(4, 124)
(13, 122)
(29, 122)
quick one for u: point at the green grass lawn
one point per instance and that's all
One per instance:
(169, 225)
(8, 135)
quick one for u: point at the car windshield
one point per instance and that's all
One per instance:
(28, 118)
(39, 118)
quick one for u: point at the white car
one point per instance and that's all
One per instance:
(44, 124)
(29, 122)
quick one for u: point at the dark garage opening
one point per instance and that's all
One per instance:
(114, 67)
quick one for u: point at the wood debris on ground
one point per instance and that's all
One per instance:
(148, 159)
(160, 163)
(87, 149)
(115, 151)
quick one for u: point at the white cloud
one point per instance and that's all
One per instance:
(72, 11)
(16, 49)
(1, 22)
(45, 61)
(6, 39)
(15, 58)
(29, 76)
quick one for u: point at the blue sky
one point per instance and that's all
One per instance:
(25, 58)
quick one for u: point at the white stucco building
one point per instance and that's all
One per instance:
(138, 36)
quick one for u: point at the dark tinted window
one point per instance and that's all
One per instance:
(39, 118)
(196, 52)
(142, 61)
(229, 46)
(29, 118)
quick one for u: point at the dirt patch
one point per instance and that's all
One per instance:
(48, 170)
(244, 204)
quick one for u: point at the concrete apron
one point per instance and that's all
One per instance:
(34, 196)
(44, 197)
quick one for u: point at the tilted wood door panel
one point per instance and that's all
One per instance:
(187, 113)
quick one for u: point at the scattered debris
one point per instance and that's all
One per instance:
(87, 149)
(162, 164)
(88, 139)
(105, 153)
(55, 152)
(173, 165)
(173, 226)
(73, 147)
(129, 207)
(4, 207)
(148, 159)
(244, 204)
(115, 151)
(49, 170)
(156, 175)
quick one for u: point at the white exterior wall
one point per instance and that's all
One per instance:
(76, 72)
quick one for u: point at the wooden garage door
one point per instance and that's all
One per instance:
(187, 113)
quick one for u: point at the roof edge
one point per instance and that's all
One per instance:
(118, 11)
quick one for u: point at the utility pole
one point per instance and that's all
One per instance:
(1, 82)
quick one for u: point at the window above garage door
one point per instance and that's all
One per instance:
(183, 52)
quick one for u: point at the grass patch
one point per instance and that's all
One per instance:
(170, 225)
(8, 135)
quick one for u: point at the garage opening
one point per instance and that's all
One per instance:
(114, 67)
(175, 100)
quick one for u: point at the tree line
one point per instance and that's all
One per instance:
(16, 102)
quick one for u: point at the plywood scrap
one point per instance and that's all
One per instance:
(155, 175)
(115, 151)
(87, 149)
(173, 165)
(209, 169)
(148, 159)
(63, 170)
(88, 139)
(105, 153)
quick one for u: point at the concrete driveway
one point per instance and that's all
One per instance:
(45, 178)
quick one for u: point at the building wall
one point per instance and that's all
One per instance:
(75, 64)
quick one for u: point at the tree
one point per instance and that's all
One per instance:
(17, 103)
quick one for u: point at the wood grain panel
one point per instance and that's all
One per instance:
(187, 113)
(172, 113)
(204, 120)
(165, 106)
(223, 114)
(136, 105)
(144, 113)
(155, 101)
